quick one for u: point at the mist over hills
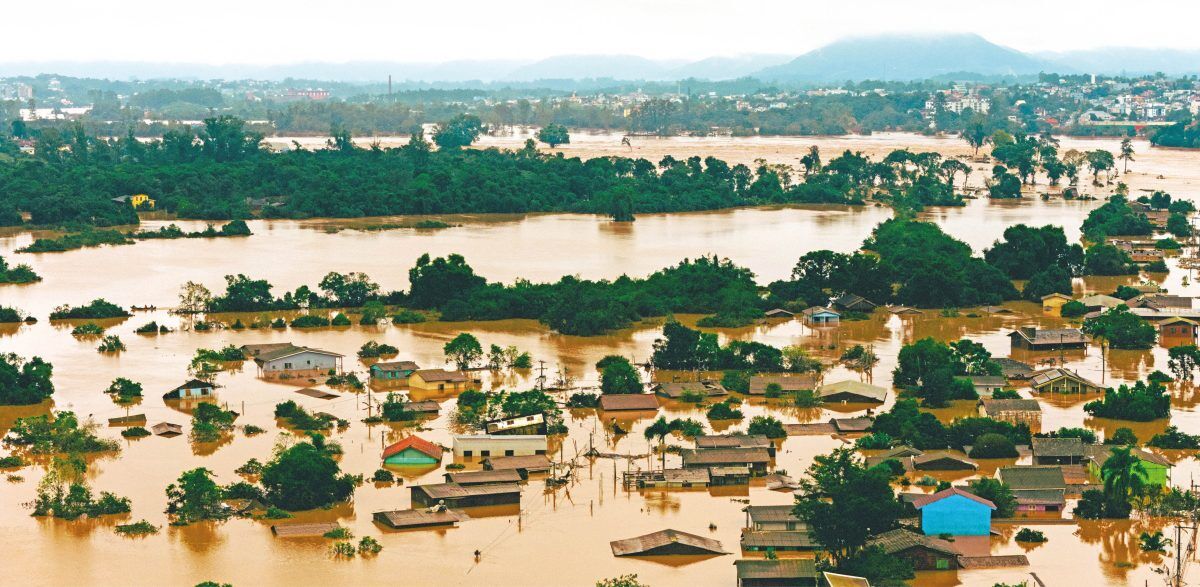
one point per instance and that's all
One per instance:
(893, 57)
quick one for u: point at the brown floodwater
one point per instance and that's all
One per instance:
(560, 536)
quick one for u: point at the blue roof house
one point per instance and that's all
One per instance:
(955, 512)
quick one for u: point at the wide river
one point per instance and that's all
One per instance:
(560, 536)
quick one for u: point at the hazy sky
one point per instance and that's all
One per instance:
(288, 31)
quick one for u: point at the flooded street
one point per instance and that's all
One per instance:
(560, 536)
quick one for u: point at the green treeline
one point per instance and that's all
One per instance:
(99, 237)
(224, 172)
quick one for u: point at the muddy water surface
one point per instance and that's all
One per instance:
(560, 536)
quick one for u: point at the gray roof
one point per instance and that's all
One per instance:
(1058, 447)
(414, 518)
(733, 441)
(648, 543)
(282, 353)
(1035, 477)
(396, 366)
(725, 456)
(454, 490)
(528, 462)
(1013, 369)
(778, 539)
(1047, 376)
(792, 568)
(771, 513)
(439, 375)
(993, 407)
(866, 391)
(1039, 496)
(788, 382)
(484, 477)
(676, 389)
(1051, 336)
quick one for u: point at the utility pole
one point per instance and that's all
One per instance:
(541, 378)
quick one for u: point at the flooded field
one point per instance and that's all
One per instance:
(559, 536)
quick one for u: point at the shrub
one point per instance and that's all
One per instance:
(1174, 438)
(1073, 309)
(139, 528)
(1030, 535)
(339, 533)
(993, 446)
(135, 432)
(340, 319)
(251, 430)
(768, 426)
(875, 441)
(383, 476)
(96, 309)
(87, 329)
(368, 546)
(372, 349)
(111, 344)
(408, 317)
(583, 399)
(309, 321)
(11, 462)
(724, 411)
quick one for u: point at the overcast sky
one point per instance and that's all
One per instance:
(290, 31)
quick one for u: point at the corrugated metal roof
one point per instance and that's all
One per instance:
(1057, 447)
(792, 568)
(647, 544)
(726, 456)
(1035, 477)
(628, 401)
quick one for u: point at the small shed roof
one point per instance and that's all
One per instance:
(130, 420)
(666, 542)
(416, 518)
(1014, 369)
(859, 424)
(317, 393)
(166, 429)
(416, 443)
(851, 387)
(628, 401)
(426, 406)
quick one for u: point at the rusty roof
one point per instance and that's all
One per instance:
(628, 401)
(416, 443)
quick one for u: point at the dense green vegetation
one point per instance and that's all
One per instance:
(305, 476)
(17, 274)
(1115, 218)
(60, 432)
(1143, 402)
(933, 370)
(907, 424)
(24, 382)
(94, 310)
(1121, 329)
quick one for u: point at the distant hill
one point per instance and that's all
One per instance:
(625, 67)
(902, 58)
(1128, 60)
(725, 68)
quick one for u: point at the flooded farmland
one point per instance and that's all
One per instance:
(559, 536)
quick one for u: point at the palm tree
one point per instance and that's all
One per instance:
(1124, 478)
(659, 429)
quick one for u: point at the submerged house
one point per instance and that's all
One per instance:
(1037, 488)
(1053, 303)
(820, 316)
(854, 303)
(412, 451)
(1158, 468)
(1059, 380)
(755, 460)
(669, 478)
(628, 402)
(534, 424)
(466, 478)
(455, 496)
(412, 519)
(485, 445)
(790, 383)
(296, 359)
(736, 441)
(523, 465)
(666, 542)
(1058, 451)
(1032, 339)
(851, 391)
(986, 385)
(779, 541)
(1013, 411)
(789, 572)
(955, 512)
(1014, 369)
(942, 461)
(192, 389)
(677, 389)
(772, 518)
(393, 371)
(440, 380)
(926, 553)
(1178, 329)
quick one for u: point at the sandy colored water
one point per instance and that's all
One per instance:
(561, 536)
